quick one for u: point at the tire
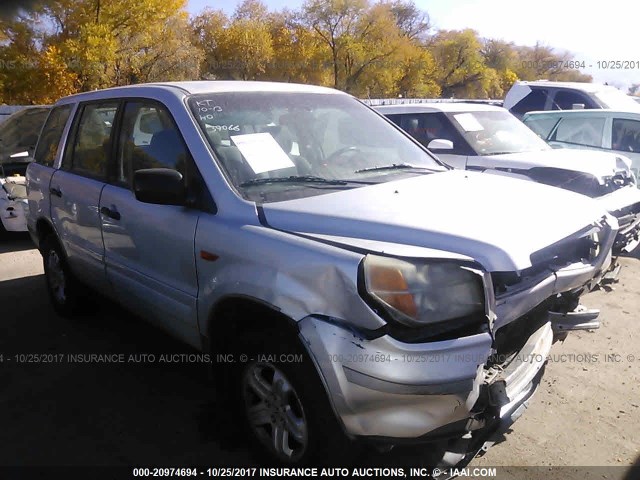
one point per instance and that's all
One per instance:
(65, 292)
(284, 405)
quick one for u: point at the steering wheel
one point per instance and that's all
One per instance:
(340, 152)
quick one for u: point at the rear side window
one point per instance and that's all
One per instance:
(581, 131)
(625, 135)
(92, 146)
(20, 132)
(534, 101)
(542, 126)
(51, 134)
(426, 127)
(149, 138)
(566, 99)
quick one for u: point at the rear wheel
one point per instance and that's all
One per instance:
(65, 292)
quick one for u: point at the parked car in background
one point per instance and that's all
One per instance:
(357, 288)
(607, 130)
(18, 137)
(489, 139)
(525, 97)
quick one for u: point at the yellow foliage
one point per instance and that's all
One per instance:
(366, 47)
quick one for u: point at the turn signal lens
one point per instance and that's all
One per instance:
(391, 287)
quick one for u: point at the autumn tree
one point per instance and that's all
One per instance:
(462, 71)
(298, 54)
(543, 62)
(237, 48)
(334, 22)
(63, 46)
(208, 30)
(372, 49)
(412, 22)
(366, 47)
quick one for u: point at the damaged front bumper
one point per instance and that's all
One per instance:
(624, 205)
(13, 215)
(463, 389)
(393, 392)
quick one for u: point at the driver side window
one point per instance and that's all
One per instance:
(149, 138)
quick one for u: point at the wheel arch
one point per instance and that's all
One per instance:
(44, 227)
(232, 314)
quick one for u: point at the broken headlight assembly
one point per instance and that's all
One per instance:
(422, 293)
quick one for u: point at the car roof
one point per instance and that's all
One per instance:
(583, 112)
(197, 87)
(584, 86)
(454, 107)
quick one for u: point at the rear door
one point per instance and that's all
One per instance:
(39, 173)
(76, 187)
(579, 131)
(149, 249)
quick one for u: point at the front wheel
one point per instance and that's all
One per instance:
(274, 411)
(285, 406)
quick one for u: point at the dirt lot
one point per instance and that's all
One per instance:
(586, 413)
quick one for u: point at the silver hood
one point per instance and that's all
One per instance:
(495, 220)
(600, 165)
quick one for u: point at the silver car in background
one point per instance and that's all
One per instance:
(18, 138)
(489, 139)
(606, 130)
(355, 288)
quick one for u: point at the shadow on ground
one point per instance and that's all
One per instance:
(62, 412)
(15, 242)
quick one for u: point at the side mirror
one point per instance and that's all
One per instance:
(577, 106)
(440, 144)
(161, 186)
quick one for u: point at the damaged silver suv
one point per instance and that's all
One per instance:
(346, 284)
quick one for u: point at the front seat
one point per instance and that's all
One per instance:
(167, 150)
(231, 159)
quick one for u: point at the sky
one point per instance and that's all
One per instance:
(592, 31)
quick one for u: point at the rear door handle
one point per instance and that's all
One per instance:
(55, 191)
(110, 212)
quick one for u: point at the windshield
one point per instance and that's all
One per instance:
(19, 133)
(617, 100)
(11, 169)
(276, 146)
(496, 132)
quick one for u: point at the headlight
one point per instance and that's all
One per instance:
(423, 292)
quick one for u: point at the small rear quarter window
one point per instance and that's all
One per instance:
(51, 135)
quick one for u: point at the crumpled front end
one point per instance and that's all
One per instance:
(14, 207)
(624, 205)
(617, 193)
(465, 388)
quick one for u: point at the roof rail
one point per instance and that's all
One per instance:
(374, 102)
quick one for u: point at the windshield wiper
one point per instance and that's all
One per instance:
(395, 166)
(299, 179)
(500, 153)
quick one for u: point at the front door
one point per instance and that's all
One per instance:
(149, 249)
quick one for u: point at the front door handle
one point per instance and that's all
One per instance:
(56, 191)
(110, 212)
